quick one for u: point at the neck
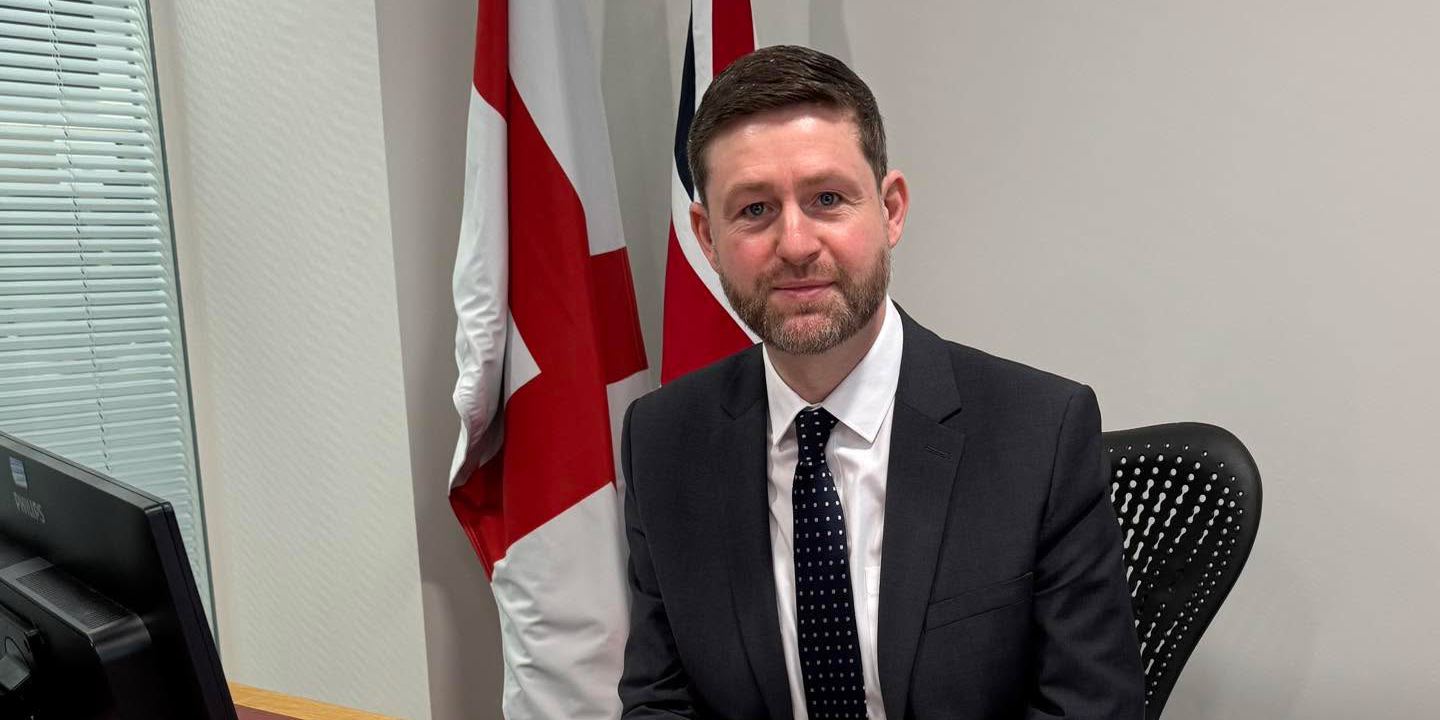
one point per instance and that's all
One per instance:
(814, 377)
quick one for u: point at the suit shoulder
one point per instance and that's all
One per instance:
(704, 388)
(1012, 379)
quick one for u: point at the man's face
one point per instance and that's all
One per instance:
(796, 228)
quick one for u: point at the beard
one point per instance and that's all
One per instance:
(815, 326)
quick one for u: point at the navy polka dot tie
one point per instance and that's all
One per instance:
(824, 613)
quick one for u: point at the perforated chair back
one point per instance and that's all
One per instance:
(1187, 496)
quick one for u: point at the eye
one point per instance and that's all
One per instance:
(828, 199)
(753, 210)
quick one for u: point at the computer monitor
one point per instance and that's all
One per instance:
(99, 615)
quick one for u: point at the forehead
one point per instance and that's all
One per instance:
(805, 140)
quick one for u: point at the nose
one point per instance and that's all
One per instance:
(798, 244)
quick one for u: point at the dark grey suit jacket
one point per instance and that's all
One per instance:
(1002, 592)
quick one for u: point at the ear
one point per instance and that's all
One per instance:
(895, 199)
(700, 225)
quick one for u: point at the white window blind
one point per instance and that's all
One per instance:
(92, 363)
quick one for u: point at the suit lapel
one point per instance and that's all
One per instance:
(924, 456)
(747, 514)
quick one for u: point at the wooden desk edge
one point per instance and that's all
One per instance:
(298, 708)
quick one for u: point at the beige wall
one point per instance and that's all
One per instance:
(315, 156)
(277, 155)
(426, 67)
(1223, 212)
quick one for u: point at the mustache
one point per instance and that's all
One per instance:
(817, 273)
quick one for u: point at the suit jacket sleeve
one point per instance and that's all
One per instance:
(1088, 653)
(654, 683)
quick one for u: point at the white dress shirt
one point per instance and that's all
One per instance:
(858, 454)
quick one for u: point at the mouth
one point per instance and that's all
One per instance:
(801, 291)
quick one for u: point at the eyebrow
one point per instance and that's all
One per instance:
(745, 187)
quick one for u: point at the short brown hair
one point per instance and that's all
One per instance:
(784, 76)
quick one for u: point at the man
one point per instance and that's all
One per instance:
(856, 518)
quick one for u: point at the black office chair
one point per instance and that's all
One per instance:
(1188, 499)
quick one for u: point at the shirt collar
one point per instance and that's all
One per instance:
(861, 401)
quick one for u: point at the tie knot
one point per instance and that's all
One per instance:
(812, 429)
